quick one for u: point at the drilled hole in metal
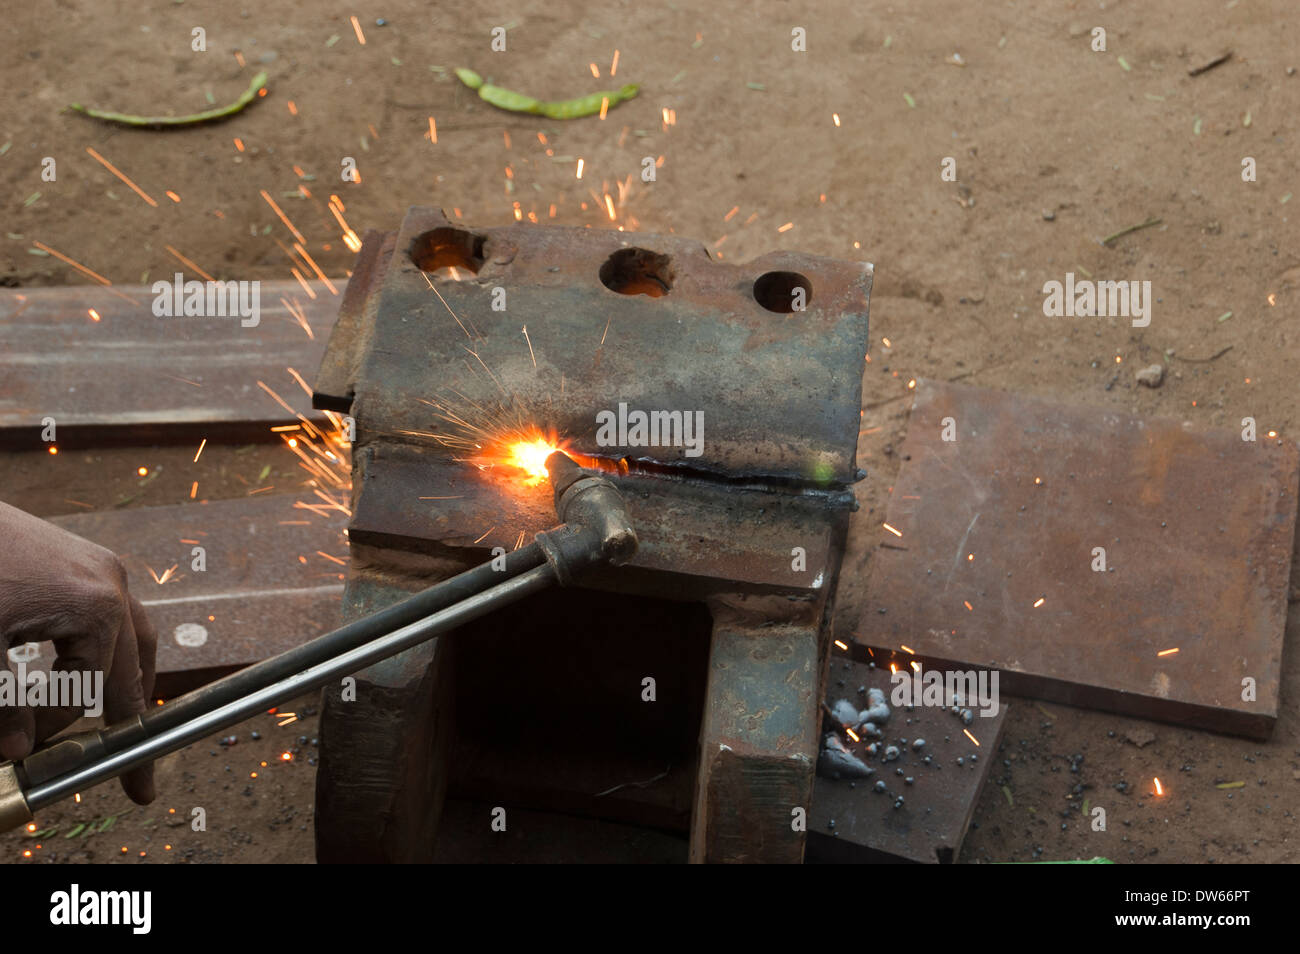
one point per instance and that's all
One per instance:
(446, 252)
(637, 271)
(783, 292)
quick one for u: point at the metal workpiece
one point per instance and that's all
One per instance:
(771, 351)
(454, 339)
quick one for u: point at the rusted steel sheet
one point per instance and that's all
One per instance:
(133, 377)
(1185, 621)
(255, 598)
(852, 822)
(779, 391)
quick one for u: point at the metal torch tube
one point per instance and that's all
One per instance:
(354, 660)
(360, 631)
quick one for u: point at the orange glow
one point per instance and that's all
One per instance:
(971, 737)
(142, 471)
(1160, 790)
(31, 826)
(53, 450)
(94, 315)
(1167, 652)
(1041, 601)
(361, 37)
(891, 529)
(841, 644)
(286, 756)
(530, 457)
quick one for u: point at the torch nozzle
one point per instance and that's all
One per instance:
(596, 526)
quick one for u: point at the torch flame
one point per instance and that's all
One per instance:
(530, 457)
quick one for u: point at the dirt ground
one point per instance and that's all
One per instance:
(835, 151)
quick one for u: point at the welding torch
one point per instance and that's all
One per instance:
(594, 530)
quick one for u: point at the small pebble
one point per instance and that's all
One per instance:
(880, 786)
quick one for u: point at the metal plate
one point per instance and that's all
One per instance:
(1197, 530)
(254, 599)
(134, 377)
(937, 806)
(780, 393)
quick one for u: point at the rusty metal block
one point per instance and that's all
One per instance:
(997, 565)
(432, 359)
(852, 822)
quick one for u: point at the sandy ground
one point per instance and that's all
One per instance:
(1056, 146)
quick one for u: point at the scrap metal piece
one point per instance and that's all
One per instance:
(851, 821)
(107, 370)
(253, 599)
(1095, 558)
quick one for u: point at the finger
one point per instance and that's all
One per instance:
(124, 697)
(147, 641)
(17, 723)
(72, 680)
(139, 782)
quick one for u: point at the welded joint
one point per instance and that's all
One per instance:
(596, 528)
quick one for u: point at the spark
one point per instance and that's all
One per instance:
(907, 649)
(911, 384)
(530, 346)
(188, 264)
(239, 144)
(283, 218)
(173, 196)
(966, 603)
(94, 315)
(852, 735)
(433, 131)
(886, 342)
(315, 268)
(613, 67)
(1272, 299)
(333, 559)
(293, 108)
(841, 645)
(835, 117)
(580, 164)
(239, 58)
(595, 70)
(167, 574)
(194, 489)
(786, 228)
(53, 451)
(63, 258)
(1160, 789)
(728, 217)
(1272, 434)
(1167, 652)
(202, 444)
(609, 206)
(361, 37)
(485, 533)
(113, 169)
(891, 530)
(142, 471)
(1040, 602)
(971, 737)
(303, 282)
